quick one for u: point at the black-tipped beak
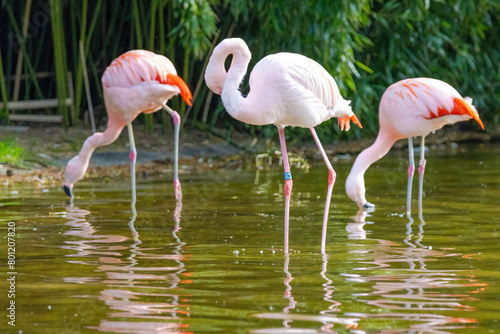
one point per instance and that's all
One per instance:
(369, 207)
(67, 191)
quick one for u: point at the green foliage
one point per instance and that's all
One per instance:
(11, 153)
(326, 31)
(56, 16)
(448, 40)
(197, 26)
(365, 44)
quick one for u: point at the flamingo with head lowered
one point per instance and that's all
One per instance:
(286, 89)
(136, 82)
(409, 108)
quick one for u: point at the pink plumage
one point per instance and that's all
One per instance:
(286, 89)
(416, 107)
(136, 82)
(136, 66)
(409, 108)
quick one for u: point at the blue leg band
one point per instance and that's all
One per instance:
(288, 176)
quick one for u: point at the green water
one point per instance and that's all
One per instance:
(218, 265)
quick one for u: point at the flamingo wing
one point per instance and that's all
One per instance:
(314, 78)
(318, 88)
(324, 87)
(434, 98)
(138, 66)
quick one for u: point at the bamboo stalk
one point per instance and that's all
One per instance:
(4, 112)
(152, 25)
(201, 77)
(161, 25)
(117, 36)
(80, 71)
(96, 77)
(93, 24)
(185, 74)
(19, 67)
(87, 88)
(59, 55)
(22, 47)
(149, 119)
(137, 25)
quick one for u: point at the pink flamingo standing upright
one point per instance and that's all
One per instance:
(136, 82)
(286, 89)
(409, 108)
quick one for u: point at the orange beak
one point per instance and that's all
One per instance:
(460, 107)
(175, 80)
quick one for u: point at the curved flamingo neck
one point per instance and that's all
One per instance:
(231, 95)
(375, 152)
(99, 139)
(355, 182)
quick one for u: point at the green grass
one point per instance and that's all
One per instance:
(12, 154)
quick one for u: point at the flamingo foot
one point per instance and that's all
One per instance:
(178, 189)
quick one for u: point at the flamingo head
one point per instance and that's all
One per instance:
(215, 74)
(355, 189)
(215, 79)
(75, 170)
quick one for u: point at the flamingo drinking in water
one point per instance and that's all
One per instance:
(136, 82)
(409, 108)
(286, 89)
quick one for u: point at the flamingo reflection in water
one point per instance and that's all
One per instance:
(329, 317)
(128, 282)
(416, 294)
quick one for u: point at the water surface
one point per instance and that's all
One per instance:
(215, 263)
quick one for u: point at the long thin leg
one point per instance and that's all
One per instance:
(177, 121)
(421, 170)
(288, 182)
(331, 182)
(135, 235)
(411, 171)
(133, 157)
